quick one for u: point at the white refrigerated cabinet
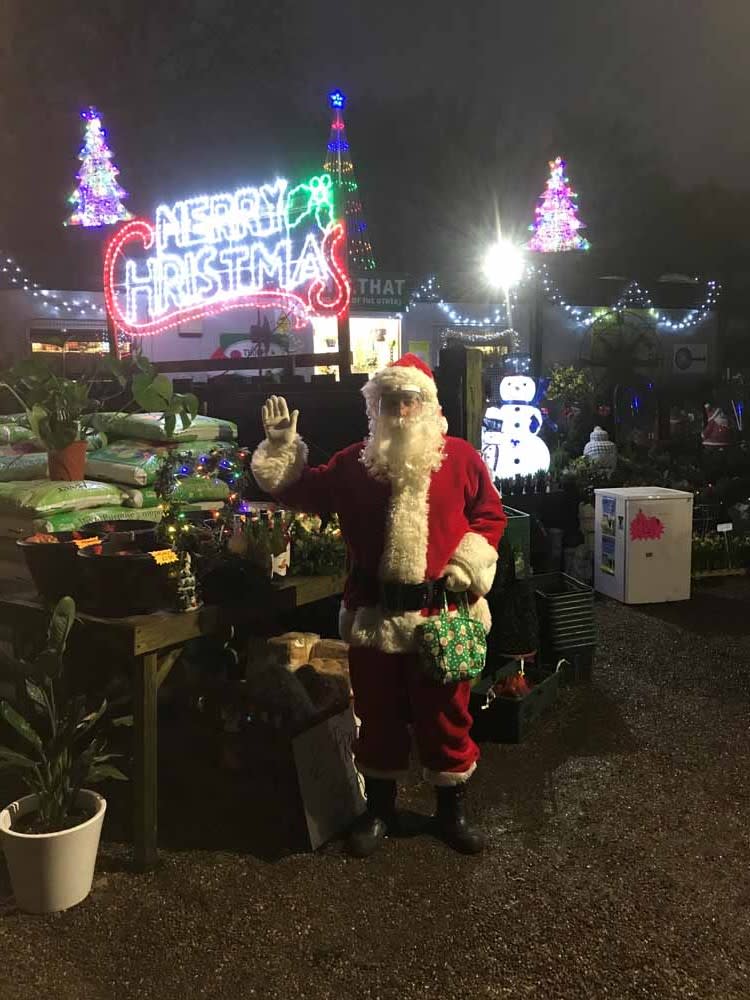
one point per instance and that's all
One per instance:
(643, 544)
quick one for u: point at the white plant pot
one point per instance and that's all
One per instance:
(51, 871)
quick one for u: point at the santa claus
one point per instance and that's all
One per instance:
(422, 522)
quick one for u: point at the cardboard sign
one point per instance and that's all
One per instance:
(329, 783)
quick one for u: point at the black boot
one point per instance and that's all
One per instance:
(372, 827)
(452, 824)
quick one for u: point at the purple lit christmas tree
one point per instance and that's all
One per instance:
(557, 224)
(97, 199)
(338, 163)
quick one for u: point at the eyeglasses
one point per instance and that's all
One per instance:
(403, 402)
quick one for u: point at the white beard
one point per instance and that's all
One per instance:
(405, 451)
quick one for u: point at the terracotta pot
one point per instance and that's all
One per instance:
(69, 464)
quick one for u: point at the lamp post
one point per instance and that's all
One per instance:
(503, 266)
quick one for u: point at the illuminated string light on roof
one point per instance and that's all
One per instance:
(429, 291)
(54, 303)
(634, 297)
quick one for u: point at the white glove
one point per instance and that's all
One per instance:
(456, 578)
(280, 426)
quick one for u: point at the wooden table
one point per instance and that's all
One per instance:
(148, 646)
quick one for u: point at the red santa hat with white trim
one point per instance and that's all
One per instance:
(408, 374)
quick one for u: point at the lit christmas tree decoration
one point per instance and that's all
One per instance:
(557, 224)
(98, 198)
(338, 163)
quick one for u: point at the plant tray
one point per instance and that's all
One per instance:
(565, 608)
(509, 720)
(559, 591)
(578, 667)
(706, 574)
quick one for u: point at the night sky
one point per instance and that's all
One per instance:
(454, 109)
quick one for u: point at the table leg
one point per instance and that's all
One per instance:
(145, 687)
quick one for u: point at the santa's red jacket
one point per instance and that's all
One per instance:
(410, 536)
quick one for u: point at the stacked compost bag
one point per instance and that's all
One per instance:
(121, 467)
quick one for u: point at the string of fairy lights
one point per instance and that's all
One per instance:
(632, 297)
(16, 278)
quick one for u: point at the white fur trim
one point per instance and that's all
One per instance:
(374, 772)
(277, 466)
(404, 558)
(478, 559)
(393, 378)
(394, 633)
(447, 779)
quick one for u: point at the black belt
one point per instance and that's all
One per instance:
(395, 598)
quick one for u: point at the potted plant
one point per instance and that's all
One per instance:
(50, 837)
(60, 410)
(56, 409)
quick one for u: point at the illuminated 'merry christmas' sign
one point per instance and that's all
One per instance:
(275, 246)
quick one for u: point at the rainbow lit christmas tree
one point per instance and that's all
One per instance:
(556, 225)
(97, 199)
(338, 163)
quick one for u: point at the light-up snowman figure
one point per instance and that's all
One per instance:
(510, 446)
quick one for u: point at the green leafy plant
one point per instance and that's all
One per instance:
(585, 476)
(64, 749)
(570, 386)
(316, 550)
(153, 391)
(60, 410)
(57, 408)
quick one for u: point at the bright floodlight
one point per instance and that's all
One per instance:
(503, 264)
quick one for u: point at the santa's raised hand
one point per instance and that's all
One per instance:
(279, 424)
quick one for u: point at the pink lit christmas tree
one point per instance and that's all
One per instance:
(556, 227)
(97, 199)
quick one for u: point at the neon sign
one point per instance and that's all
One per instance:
(275, 246)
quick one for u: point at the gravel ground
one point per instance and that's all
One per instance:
(617, 864)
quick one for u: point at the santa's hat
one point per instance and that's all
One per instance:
(409, 373)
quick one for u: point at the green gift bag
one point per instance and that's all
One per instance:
(452, 648)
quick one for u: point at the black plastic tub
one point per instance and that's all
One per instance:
(116, 582)
(123, 533)
(53, 565)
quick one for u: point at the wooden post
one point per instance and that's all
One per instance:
(114, 345)
(145, 687)
(474, 396)
(345, 347)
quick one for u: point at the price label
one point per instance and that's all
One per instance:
(84, 543)
(723, 528)
(162, 557)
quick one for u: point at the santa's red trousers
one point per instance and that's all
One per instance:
(391, 693)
